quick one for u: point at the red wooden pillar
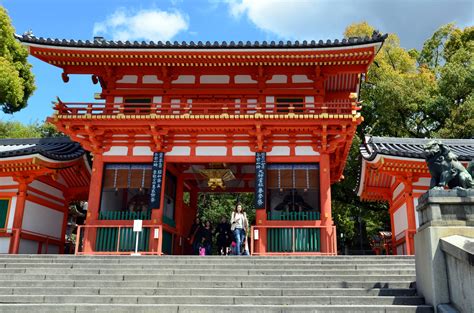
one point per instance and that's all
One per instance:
(93, 204)
(261, 244)
(392, 225)
(64, 227)
(326, 216)
(19, 212)
(410, 250)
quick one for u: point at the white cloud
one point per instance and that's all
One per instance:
(300, 19)
(143, 25)
(413, 20)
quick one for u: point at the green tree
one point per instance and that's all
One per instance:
(35, 130)
(213, 206)
(16, 79)
(427, 93)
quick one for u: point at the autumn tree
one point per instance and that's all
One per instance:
(16, 79)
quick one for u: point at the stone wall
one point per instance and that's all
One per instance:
(459, 256)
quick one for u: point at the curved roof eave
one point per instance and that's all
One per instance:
(97, 44)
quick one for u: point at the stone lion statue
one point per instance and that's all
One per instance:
(445, 169)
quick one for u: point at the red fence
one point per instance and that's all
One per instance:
(71, 108)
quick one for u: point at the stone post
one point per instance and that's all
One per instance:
(441, 213)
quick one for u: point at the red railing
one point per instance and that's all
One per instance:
(329, 241)
(154, 247)
(71, 108)
(42, 240)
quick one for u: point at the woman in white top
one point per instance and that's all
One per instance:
(239, 225)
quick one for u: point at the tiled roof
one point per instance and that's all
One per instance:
(413, 147)
(57, 148)
(102, 43)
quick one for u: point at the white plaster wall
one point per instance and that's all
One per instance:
(214, 79)
(278, 79)
(415, 203)
(117, 150)
(305, 150)
(400, 219)
(279, 150)
(47, 189)
(7, 181)
(401, 249)
(185, 79)
(142, 150)
(423, 181)
(211, 151)
(180, 151)
(300, 79)
(128, 79)
(244, 79)
(157, 99)
(398, 190)
(45, 198)
(118, 99)
(43, 220)
(28, 247)
(242, 151)
(4, 244)
(11, 214)
(151, 79)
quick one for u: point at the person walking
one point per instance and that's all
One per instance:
(239, 225)
(193, 238)
(223, 236)
(206, 234)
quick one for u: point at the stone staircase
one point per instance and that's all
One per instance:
(52, 283)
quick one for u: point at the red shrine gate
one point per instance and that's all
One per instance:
(284, 112)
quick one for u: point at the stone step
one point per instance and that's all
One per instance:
(241, 272)
(197, 277)
(211, 261)
(121, 308)
(218, 300)
(203, 284)
(288, 257)
(206, 291)
(204, 266)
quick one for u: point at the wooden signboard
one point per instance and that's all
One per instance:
(156, 179)
(260, 179)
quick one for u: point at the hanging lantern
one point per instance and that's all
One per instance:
(217, 177)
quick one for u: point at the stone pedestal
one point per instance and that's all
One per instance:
(441, 213)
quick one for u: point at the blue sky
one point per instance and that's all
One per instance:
(185, 20)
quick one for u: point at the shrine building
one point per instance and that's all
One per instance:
(177, 119)
(38, 180)
(394, 170)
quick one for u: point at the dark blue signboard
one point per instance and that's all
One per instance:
(260, 179)
(156, 179)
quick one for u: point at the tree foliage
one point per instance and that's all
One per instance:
(16, 79)
(426, 93)
(213, 206)
(35, 130)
